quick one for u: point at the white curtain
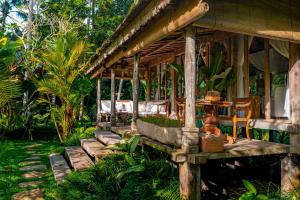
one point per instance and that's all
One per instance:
(240, 62)
(278, 63)
(281, 47)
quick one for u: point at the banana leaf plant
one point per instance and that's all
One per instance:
(217, 76)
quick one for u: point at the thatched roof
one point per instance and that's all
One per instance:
(135, 15)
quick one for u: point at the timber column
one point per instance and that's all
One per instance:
(99, 101)
(290, 171)
(173, 95)
(135, 91)
(113, 99)
(189, 174)
(148, 98)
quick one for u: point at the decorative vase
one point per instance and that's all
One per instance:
(211, 139)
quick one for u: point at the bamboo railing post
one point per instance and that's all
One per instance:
(113, 98)
(189, 174)
(135, 92)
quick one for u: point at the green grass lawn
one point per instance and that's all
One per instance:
(10, 162)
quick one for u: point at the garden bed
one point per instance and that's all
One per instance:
(161, 129)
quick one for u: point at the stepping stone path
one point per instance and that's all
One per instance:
(33, 175)
(33, 169)
(36, 194)
(35, 162)
(33, 158)
(30, 184)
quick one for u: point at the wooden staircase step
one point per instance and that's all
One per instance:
(107, 137)
(94, 148)
(79, 160)
(59, 167)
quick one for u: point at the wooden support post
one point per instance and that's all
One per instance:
(189, 174)
(190, 181)
(290, 174)
(267, 80)
(246, 66)
(290, 171)
(135, 92)
(158, 82)
(240, 62)
(99, 101)
(113, 98)
(173, 95)
(166, 82)
(148, 98)
(294, 83)
(229, 89)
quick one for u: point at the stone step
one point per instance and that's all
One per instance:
(95, 149)
(59, 167)
(79, 160)
(107, 137)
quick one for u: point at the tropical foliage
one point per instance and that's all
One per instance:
(64, 59)
(217, 75)
(9, 87)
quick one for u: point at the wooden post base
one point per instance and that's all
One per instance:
(190, 181)
(290, 174)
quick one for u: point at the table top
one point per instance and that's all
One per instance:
(214, 103)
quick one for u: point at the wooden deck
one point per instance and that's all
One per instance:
(244, 149)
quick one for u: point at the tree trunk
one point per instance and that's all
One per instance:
(81, 109)
(5, 11)
(28, 46)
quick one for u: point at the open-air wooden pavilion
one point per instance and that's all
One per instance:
(160, 32)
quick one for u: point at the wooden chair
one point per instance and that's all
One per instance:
(242, 106)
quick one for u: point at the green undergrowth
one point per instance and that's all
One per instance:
(129, 175)
(79, 133)
(163, 121)
(14, 153)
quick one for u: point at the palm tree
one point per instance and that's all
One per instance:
(9, 88)
(64, 61)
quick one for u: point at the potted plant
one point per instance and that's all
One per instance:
(161, 129)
